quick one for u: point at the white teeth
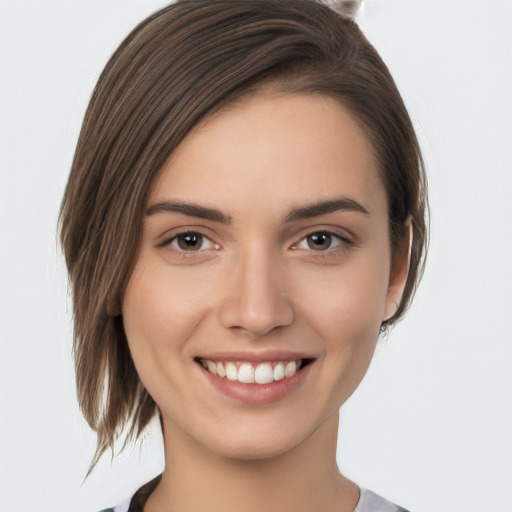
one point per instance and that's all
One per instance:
(263, 374)
(221, 372)
(290, 369)
(231, 371)
(212, 367)
(247, 373)
(279, 371)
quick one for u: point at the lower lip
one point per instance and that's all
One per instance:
(257, 394)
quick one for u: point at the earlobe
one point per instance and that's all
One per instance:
(399, 273)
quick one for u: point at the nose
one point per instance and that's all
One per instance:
(256, 299)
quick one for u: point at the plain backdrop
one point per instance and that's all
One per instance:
(431, 425)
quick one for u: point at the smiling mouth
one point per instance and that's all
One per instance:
(252, 373)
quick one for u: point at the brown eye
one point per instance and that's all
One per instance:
(189, 241)
(319, 241)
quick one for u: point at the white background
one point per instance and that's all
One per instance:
(431, 425)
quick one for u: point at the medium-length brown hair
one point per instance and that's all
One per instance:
(172, 71)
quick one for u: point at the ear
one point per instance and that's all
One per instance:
(399, 272)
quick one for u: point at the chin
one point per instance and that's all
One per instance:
(260, 447)
(259, 440)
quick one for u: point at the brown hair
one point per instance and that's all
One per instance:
(172, 71)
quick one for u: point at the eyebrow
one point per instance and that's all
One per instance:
(325, 207)
(300, 213)
(190, 209)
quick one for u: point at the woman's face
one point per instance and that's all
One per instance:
(265, 256)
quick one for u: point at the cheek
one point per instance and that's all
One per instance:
(345, 310)
(158, 318)
(160, 313)
(347, 302)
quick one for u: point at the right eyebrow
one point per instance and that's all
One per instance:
(189, 209)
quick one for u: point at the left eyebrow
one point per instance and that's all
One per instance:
(323, 208)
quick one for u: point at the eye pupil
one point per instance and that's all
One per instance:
(190, 241)
(319, 241)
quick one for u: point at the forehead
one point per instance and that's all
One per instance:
(287, 149)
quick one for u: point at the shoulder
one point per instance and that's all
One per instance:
(371, 502)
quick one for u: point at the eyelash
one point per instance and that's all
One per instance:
(340, 243)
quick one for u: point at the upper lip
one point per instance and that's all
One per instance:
(256, 357)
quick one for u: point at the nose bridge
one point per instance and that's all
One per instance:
(257, 299)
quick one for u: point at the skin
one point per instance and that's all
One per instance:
(259, 283)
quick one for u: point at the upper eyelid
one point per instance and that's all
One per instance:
(340, 232)
(342, 240)
(171, 233)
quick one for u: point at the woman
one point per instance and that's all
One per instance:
(245, 214)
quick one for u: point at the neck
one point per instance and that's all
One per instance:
(305, 478)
